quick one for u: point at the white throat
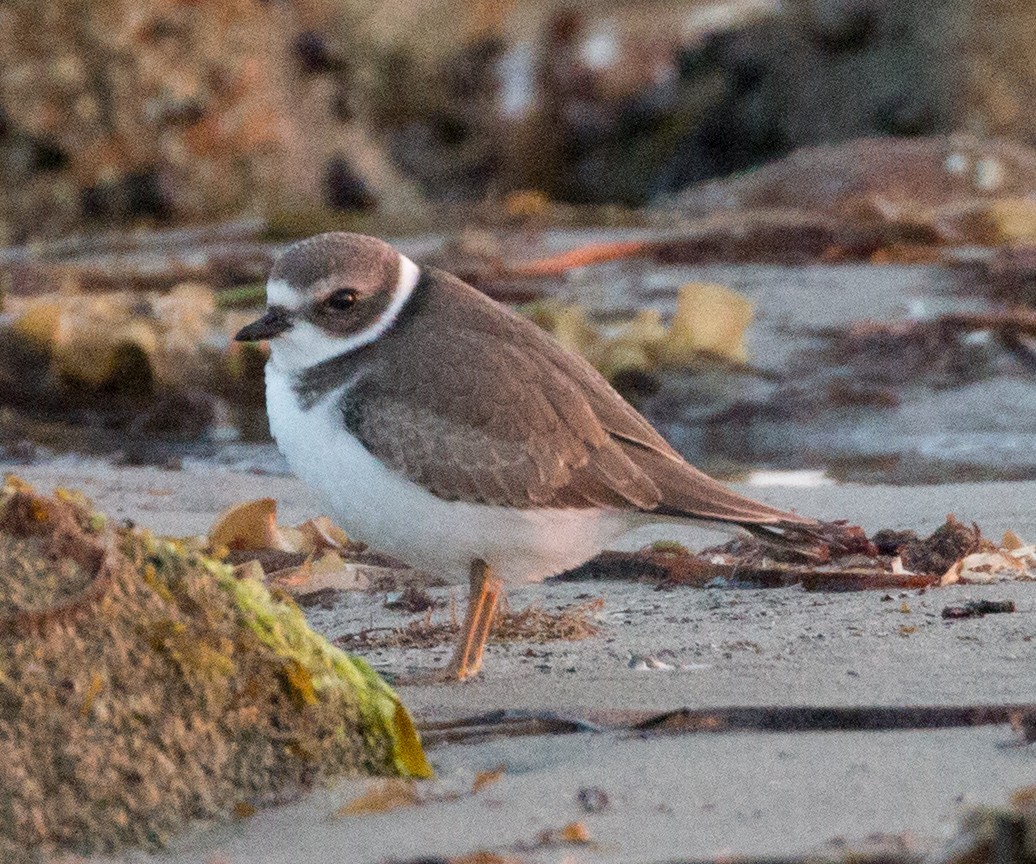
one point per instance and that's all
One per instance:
(306, 345)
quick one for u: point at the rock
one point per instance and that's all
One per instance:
(861, 177)
(149, 686)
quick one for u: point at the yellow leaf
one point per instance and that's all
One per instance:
(252, 525)
(410, 750)
(292, 538)
(300, 683)
(575, 832)
(321, 533)
(619, 355)
(709, 318)
(92, 692)
(574, 332)
(646, 329)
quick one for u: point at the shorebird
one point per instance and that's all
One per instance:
(445, 429)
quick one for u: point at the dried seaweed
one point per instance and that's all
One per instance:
(834, 556)
(532, 624)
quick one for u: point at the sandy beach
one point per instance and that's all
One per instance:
(669, 798)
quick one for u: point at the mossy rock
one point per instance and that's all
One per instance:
(149, 686)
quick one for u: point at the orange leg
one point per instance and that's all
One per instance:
(485, 592)
(478, 619)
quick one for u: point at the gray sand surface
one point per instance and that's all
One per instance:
(681, 797)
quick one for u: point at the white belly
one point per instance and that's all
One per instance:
(386, 510)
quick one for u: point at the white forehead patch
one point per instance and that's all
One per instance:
(306, 345)
(280, 293)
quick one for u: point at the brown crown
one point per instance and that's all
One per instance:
(371, 263)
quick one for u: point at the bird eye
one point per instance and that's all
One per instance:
(341, 301)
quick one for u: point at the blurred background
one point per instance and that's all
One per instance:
(118, 111)
(799, 234)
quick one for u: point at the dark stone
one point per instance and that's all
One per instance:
(139, 194)
(342, 104)
(857, 30)
(593, 799)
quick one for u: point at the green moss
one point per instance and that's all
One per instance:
(281, 626)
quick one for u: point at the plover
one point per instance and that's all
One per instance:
(445, 429)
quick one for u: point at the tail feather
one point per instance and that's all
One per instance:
(686, 492)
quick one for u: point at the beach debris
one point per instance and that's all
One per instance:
(949, 543)
(978, 608)
(883, 175)
(646, 662)
(1014, 559)
(159, 687)
(834, 556)
(329, 572)
(708, 327)
(990, 835)
(508, 722)
(1023, 724)
(592, 799)
(755, 718)
(387, 795)
(313, 558)
(572, 834)
(411, 599)
(536, 624)
(394, 792)
(949, 349)
(532, 624)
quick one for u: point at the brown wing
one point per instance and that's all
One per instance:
(499, 413)
(513, 432)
